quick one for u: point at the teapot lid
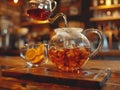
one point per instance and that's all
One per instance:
(69, 32)
(69, 29)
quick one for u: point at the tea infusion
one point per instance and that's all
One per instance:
(38, 14)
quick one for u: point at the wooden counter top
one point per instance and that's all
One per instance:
(109, 53)
(17, 84)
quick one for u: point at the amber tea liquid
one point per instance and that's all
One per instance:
(39, 14)
(69, 59)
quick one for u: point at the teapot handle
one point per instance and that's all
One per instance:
(55, 5)
(99, 33)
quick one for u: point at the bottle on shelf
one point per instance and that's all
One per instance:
(115, 2)
(5, 39)
(108, 2)
(101, 2)
(95, 2)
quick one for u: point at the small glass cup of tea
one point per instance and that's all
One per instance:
(33, 54)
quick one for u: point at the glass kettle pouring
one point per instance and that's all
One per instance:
(42, 10)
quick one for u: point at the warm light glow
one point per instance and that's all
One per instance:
(108, 2)
(108, 13)
(115, 1)
(15, 1)
(101, 1)
(41, 22)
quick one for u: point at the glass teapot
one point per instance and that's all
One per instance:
(42, 10)
(69, 49)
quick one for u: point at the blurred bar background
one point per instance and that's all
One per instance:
(16, 28)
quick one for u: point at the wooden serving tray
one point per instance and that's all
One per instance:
(53, 75)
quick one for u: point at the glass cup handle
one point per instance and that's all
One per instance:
(55, 5)
(99, 33)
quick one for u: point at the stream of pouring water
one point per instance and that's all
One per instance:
(65, 21)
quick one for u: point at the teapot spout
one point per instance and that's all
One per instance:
(52, 20)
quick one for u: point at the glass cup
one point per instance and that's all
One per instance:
(33, 54)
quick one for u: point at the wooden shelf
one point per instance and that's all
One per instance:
(105, 7)
(110, 18)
